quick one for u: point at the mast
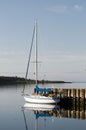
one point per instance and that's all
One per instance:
(29, 58)
(28, 64)
(36, 29)
(35, 34)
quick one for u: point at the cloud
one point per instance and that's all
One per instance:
(58, 9)
(65, 8)
(78, 8)
(60, 56)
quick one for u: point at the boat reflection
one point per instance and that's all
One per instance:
(40, 111)
(32, 106)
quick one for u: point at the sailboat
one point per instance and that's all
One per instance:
(45, 97)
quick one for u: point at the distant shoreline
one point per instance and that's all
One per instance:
(5, 80)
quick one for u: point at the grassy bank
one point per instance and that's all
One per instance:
(17, 80)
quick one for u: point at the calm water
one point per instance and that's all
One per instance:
(14, 117)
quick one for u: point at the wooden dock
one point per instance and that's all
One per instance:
(72, 92)
(72, 97)
(69, 92)
(72, 103)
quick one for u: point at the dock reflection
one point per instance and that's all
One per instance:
(76, 113)
(49, 110)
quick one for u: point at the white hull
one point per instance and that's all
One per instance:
(41, 99)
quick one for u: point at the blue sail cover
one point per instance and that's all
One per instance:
(43, 89)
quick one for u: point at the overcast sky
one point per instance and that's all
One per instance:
(61, 38)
